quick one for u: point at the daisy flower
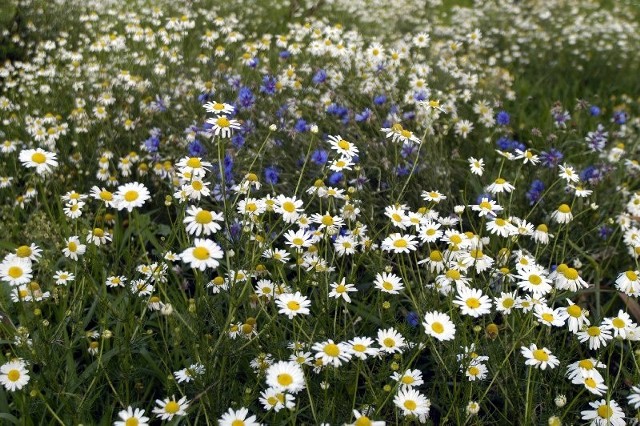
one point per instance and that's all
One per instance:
(501, 227)
(363, 420)
(199, 221)
(289, 207)
(390, 340)
(388, 283)
(433, 196)
(604, 414)
(299, 239)
(568, 279)
(499, 186)
(131, 195)
(549, 316)
(132, 416)
(629, 282)
(98, 236)
(223, 126)
(532, 278)
(193, 167)
(539, 358)
(398, 243)
(576, 317)
(74, 248)
(63, 277)
(103, 195)
(361, 347)
(412, 403)
(408, 379)
(476, 371)
(39, 159)
(429, 232)
(285, 376)
(439, 325)
(14, 375)
(541, 234)
(332, 353)
(273, 399)
(31, 252)
(619, 325)
(237, 417)
(342, 290)
(343, 147)
(292, 305)
(506, 302)
(476, 166)
(569, 174)
(218, 108)
(577, 370)
(15, 270)
(562, 214)
(204, 254)
(472, 302)
(168, 408)
(596, 336)
(486, 207)
(594, 383)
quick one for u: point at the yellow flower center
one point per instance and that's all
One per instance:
(604, 411)
(72, 246)
(327, 220)
(436, 256)
(473, 370)
(363, 421)
(564, 208)
(341, 288)
(586, 364)
(293, 305)
(407, 380)
(473, 303)
(389, 342)
(535, 279)
(593, 331)
(172, 407)
(238, 423)
(15, 272)
(131, 421)
(288, 206)
(590, 383)
(500, 181)
(344, 144)
(547, 317)
(203, 217)
(437, 327)
(540, 355)
(618, 323)
(39, 158)
(223, 122)
(400, 243)
(23, 251)
(508, 303)
(332, 350)
(13, 375)
(453, 274)
(485, 205)
(197, 185)
(410, 405)
(285, 379)
(98, 232)
(194, 163)
(298, 241)
(131, 196)
(631, 275)
(571, 274)
(575, 311)
(200, 253)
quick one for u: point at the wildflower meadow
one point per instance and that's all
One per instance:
(341, 212)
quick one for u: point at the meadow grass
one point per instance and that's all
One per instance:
(346, 212)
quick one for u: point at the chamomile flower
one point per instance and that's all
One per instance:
(596, 336)
(429, 232)
(293, 305)
(342, 290)
(539, 358)
(433, 196)
(43, 161)
(168, 408)
(299, 239)
(439, 325)
(476, 371)
(398, 243)
(103, 195)
(199, 221)
(73, 248)
(14, 375)
(412, 403)
(506, 302)
(343, 147)
(223, 126)
(132, 416)
(533, 278)
(408, 379)
(594, 383)
(486, 207)
(63, 277)
(472, 302)
(193, 167)
(388, 283)
(550, 317)
(476, 166)
(620, 325)
(98, 236)
(285, 376)
(332, 353)
(204, 254)
(568, 173)
(289, 207)
(562, 214)
(218, 108)
(499, 186)
(362, 347)
(131, 195)
(604, 413)
(576, 317)
(15, 270)
(390, 340)
(273, 399)
(239, 417)
(363, 420)
(629, 282)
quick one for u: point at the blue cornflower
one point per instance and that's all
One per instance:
(301, 126)
(620, 117)
(152, 144)
(196, 149)
(380, 99)
(552, 158)
(319, 157)
(363, 116)
(335, 178)
(285, 54)
(245, 98)
(268, 85)
(503, 118)
(271, 175)
(535, 191)
(604, 231)
(402, 170)
(413, 319)
(319, 77)
(594, 111)
(237, 141)
(504, 144)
